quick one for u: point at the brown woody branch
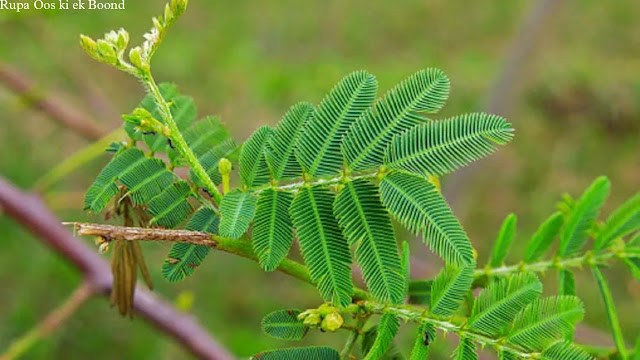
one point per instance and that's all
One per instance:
(65, 116)
(29, 210)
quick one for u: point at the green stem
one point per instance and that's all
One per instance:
(77, 160)
(177, 139)
(586, 259)
(353, 337)
(322, 181)
(243, 247)
(616, 330)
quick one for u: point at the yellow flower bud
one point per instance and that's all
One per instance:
(224, 166)
(106, 51)
(312, 319)
(325, 309)
(89, 45)
(332, 322)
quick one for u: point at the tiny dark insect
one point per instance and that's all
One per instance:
(170, 143)
(149, 133)
(207, 192)
(426, 338)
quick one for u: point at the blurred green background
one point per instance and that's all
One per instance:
(575, 105)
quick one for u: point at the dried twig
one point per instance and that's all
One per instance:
(110, 232)
(30, 211)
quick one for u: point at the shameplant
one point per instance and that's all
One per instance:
(334, 176)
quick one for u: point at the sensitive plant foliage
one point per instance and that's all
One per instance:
(334, 177)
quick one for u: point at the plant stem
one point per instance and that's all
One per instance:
(241, 247)
(353, 337)
(542, 266)
(77, 160)
(325, 181)
(177, 139)
(55, 319)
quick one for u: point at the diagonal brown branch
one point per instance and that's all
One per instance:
(29, 210)
(65, 116)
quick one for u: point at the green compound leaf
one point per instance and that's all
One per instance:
(319, 146)
(147, 180)
(205, 135)
(272, 229)
(425, 335)
(386, 331)
(424, 92)
(236, 213)
(543, 238)
(545, 321)
(171, 207)
(449, 288)
(324, 249)
(367, 227)
(369, 338)
(506, 355)
(104, 188)
(183, 259)
(623, 221)
(440, 147)
(582, 216)
(420, 292)
(466, 350)
(418, 205)
(253, 164)
(306, 353)
(505, 239)
(498, 304)
(564, 350)
(284, 324)
(566, 282)
(281, 150)
(210, 159)
(405, 261)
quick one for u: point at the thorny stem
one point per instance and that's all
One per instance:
(326, 181)
(454, 324)
(176, 137)
(586, 259)
(242, 247)
(56, 318)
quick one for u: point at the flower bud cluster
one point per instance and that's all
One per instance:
(112, 47)
(146, 123)
(326, 317)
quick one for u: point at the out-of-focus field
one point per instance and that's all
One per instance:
(576, 110)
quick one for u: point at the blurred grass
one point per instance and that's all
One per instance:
(576, 115)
